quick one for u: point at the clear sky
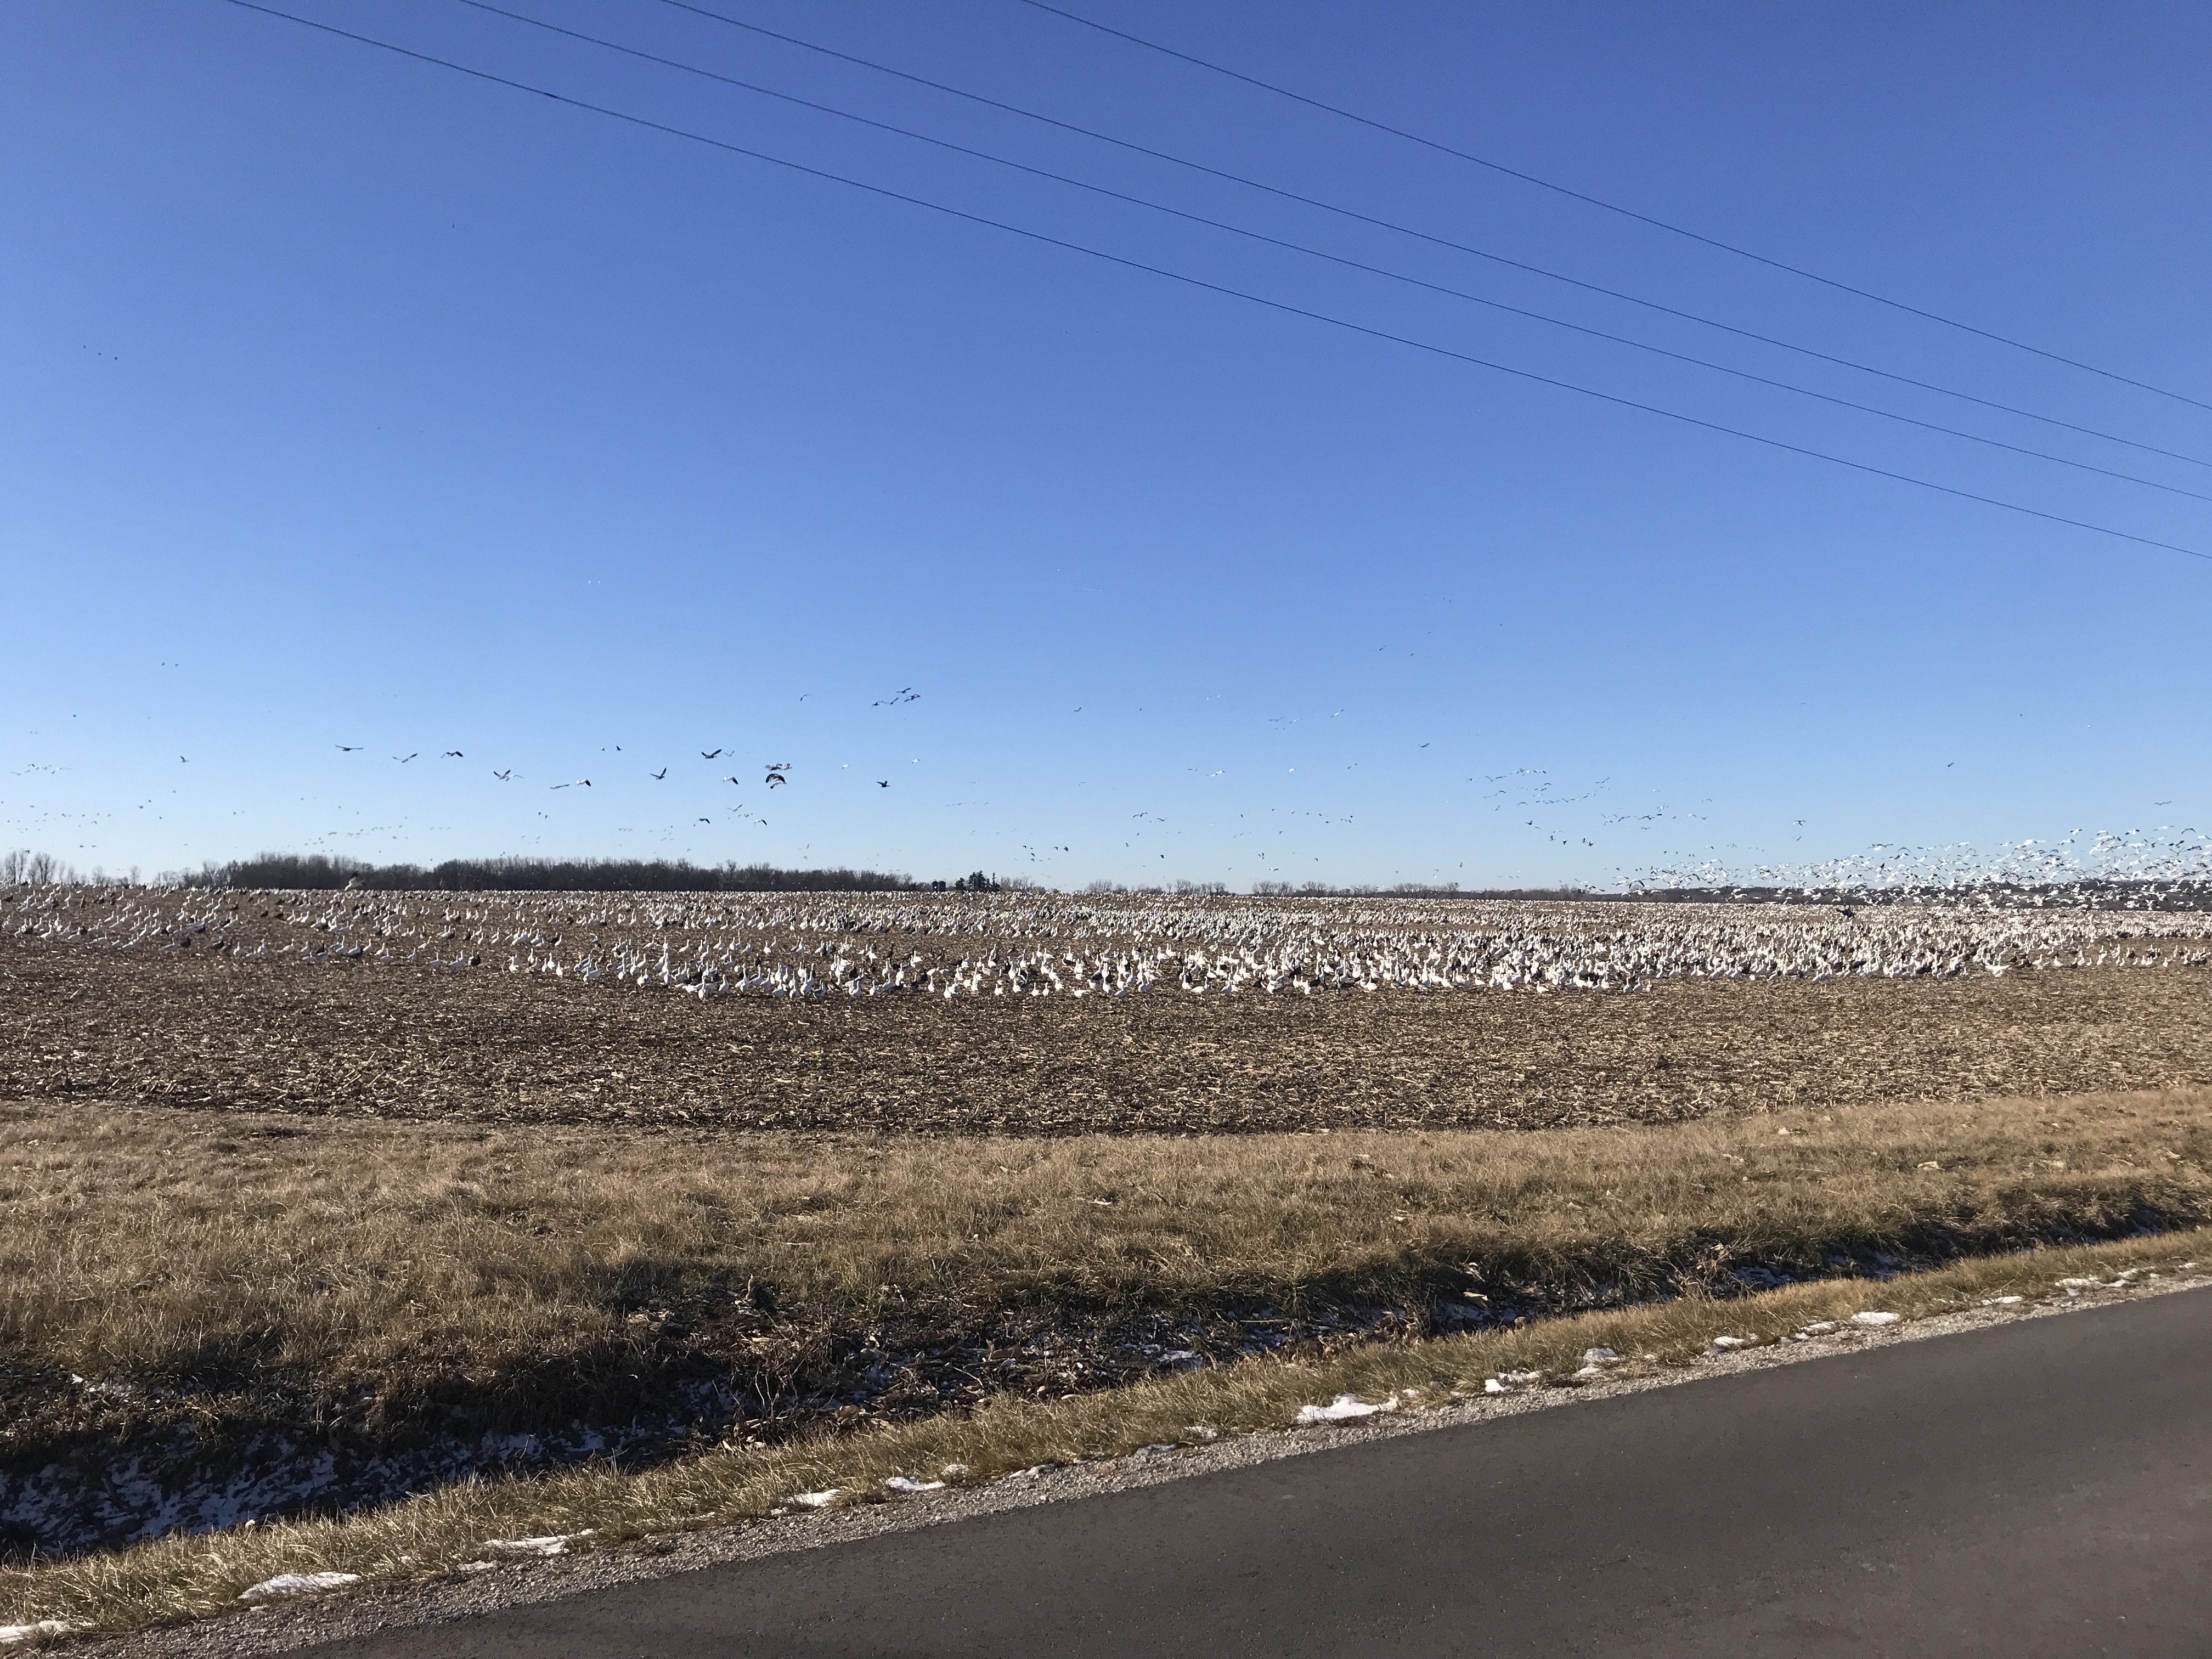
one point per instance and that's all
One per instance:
(351, 401)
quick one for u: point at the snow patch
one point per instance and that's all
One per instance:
(551, 1543)
(908, 1484)
(298, 1583)
(816, 1500)
(1873, 1319)
(1344, 1408)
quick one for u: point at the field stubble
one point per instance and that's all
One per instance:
(277, 1034)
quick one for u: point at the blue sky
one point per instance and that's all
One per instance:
(352, 401)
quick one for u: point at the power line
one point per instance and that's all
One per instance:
(1317, 253)
(1284, 306)
(1421, 236)
(1612, 207)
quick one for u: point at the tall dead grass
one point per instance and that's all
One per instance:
(206, 1251)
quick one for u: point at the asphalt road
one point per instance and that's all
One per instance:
(2041, 1487)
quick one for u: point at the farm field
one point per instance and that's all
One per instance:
(310, 1202)
(1032, 1015)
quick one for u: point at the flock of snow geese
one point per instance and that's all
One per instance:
(952, 945)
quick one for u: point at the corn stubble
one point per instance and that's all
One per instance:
(185, 1029)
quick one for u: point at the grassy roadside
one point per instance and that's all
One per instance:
(378, 1281)
(426, 1538)
(185, 1247)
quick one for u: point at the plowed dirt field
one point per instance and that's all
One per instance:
(407, 1040)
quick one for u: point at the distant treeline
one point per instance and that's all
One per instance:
(314, 870)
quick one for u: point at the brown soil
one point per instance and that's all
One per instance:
(484, 1044)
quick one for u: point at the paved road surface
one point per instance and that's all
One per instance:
(2044, 1488)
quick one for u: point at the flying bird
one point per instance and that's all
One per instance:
(455, 754)
(348, 748)
(404, 759)
(657, 776)
(883, 783)
(710, 754)
(775, 772)
(505, 776)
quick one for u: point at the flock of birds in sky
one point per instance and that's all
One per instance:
(1029, 945)
(2072, 870)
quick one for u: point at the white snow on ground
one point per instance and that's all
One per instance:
(816, 1500)
(908, 1484)
(1344, 1409)
(1731, 1342)
(1873, 1319)
(298, 1583)
(551, 1543)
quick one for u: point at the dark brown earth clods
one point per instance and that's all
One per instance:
(484, 1044)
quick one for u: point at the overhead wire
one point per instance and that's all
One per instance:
(1610, 207)
(647, 123)
(1317, 253)
(1434, 240)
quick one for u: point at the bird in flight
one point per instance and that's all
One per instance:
(580, 783)
(404, 759)
(348, 748)
(505, 776)
(657, 776)
(883, 783)
(775, 774)
(706, 820)
(455, 754)
(710, 754)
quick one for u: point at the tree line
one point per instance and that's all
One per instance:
(320, 870)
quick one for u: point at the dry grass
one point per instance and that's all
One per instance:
(368, 1272)
(187, 1577)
